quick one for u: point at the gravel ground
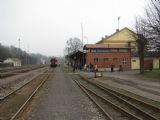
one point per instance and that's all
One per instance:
(62, 99)
(10, 84)
(148, 88)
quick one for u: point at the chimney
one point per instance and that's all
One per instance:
(103, 38)
(106, 36)
(117, 30)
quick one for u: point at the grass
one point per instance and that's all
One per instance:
(151, 74)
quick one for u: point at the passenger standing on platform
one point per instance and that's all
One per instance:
(112, 68)
(85, 67)
(95, 70)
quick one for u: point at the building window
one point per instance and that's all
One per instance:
(125, 60)
(114, 50)
(123, 50)
(100, 50)
(106, 59)
(95, 59)
(133, 60)
(103, 50)
(93, 50)
(115, 59)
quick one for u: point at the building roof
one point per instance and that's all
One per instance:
(88, 46)
(114, 34)
(76, 54)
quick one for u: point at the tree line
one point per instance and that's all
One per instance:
(14, 52)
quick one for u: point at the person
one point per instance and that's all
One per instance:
(95, 70)
(85, 67)
(112, 68)
(120, 68)
(74, 68)
(95, 67)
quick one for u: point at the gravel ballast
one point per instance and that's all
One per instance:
(62, 99)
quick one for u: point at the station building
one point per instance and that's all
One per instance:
(128, 37)
(105, 55)
(118, 49)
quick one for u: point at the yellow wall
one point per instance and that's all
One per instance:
(135, 63)
(123, 36)
(156, 63)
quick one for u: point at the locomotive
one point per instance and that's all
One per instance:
(53, 62)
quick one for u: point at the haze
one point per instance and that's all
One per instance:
(44, 26)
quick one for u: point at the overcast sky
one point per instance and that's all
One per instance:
(44, 26)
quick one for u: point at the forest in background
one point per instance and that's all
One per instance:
(26, 58)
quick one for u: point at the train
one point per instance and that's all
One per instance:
(53, 62)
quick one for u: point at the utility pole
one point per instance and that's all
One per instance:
(118, 23)
(68, 58)
(82, 45)
(26, 61)
(82, 32)
(28, 54)
(19, 42)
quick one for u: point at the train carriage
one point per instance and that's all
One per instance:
(53, 62)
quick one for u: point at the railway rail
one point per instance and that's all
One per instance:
(15, 68)
(118, 106)
(11, 72)
(14, 103)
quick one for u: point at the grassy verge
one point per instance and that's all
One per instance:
(151, 74)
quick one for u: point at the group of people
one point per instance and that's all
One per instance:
(93, 68)
(90, 67)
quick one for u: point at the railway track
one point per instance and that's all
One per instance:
(11, 72)
(14, 103)
(117, 106)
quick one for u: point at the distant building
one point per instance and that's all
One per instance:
(43, 61)
(14, 61)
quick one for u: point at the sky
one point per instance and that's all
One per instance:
(44, 26)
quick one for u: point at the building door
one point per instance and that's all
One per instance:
(135, 63)
(148, 64)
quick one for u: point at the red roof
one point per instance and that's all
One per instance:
(87, 46)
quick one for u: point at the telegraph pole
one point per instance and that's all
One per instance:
(82, 32)
(29, 61)
(82, 45)
(26, 59)
(19, 42)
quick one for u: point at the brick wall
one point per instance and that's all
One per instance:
(115, 58)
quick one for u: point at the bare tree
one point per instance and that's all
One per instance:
(141, 41)
(153, 23)
(73, 45)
